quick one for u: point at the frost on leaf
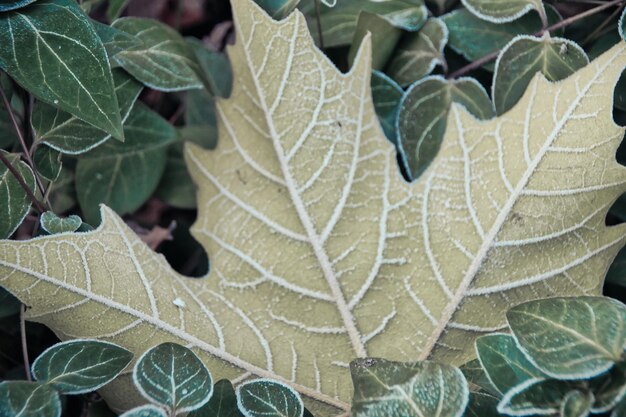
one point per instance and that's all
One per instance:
(321, 252)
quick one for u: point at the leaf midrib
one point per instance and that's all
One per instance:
(488, 241)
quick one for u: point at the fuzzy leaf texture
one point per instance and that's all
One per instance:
(321, 252)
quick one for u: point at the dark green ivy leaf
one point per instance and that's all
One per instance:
(535, 396)
(7, 5)
(477, 378)
(54, 224)
(278, 9)
(383, 37)
(51, 49)
(80, 366)
(28, 399)
(215, 69)
(47, 162)
(386, 94)
(145, 411)
(576, 404)
(503, 11)
(223, 402)
(608, 389)
(9, 305)
(114, 40)
(15, 202)
(482, 405)
(267, 398)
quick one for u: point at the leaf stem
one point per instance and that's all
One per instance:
(318, 13)
(24, 343)
(20, 136)
(565, 22)
(22, 183)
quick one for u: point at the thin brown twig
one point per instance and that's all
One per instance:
(24, 343)
(22, 183)
(565, 22)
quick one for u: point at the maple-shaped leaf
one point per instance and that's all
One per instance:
(321, 252)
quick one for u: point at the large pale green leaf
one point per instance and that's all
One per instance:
(173, 376)
(474, 38)
(164, 61)
(423, 114)
(53, 51)
(304, 180)
(503, 362)
(124, 175)
(267, 398)
(29, 399)
(571, 338)
(502, 11)
(419, 53)
(15, 202)
(340, 22)
(392, 389)
(80, 366)
(555, 58)
(71, 135)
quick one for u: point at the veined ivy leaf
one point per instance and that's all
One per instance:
(268, 398)
(340, 22)
(535, 397)
(474, 38)
(571, 338)
(173, 376)
(124, 175)
(216, 72)
(555, 58)
(278, 9)
(164, 61)
(77, 78)
(54, 224)
(14, 4)
(377, 258)
(69, 134)
(114, 40)
(145, 411)
(477, 378)
(47, 162)
(386, 94)
(419, 53)
(503, 11)
(15, 202)
(384, 37)
(423, 113)
(223, 402)
(31, 399)
(392, 389)
(576, 404)
(503, 362)
(80, 366)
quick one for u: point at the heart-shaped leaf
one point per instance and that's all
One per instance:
(267, 398)
(503, 11)
(571, 338)
(173, 376)
(54, 224)
(47, 162)
(393, 389)
(80, 366)
(57, 35)
(386, 94)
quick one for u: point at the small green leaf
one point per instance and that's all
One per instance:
(114, 40)
(503, 11)
(386, 95)
(80, 366)
(47, 162)
(419, 53)
(124, 175)
(216, 71)
(164, 61)
(267, 398)
(69, 134)
(51, 49)
(9, 305)
(15, 202)
(482, 405)
(278, 9)
(555, 58)
(173, 376)
(608, 389)
(570, 338)
(394, 389)
(7, 5)
(504, 363)
(339, 23)
(54, 224)
(383, 37)
(474, 38)
(145, 411)
(223, 402)
(423, 114)
(28, 399)
(576, 404)
(477, 378)
(535, 396)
